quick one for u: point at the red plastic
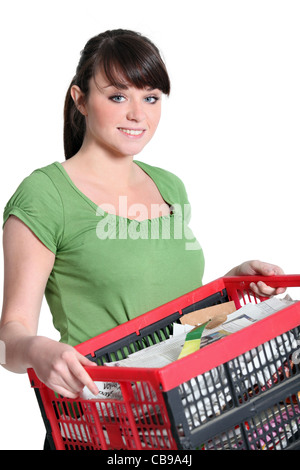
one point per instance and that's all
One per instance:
(140, 419)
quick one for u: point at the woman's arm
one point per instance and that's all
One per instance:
(27, 266)
(255, 268)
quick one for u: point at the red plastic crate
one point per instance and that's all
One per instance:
(157, 408)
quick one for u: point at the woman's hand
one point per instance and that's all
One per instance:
(61, 367)
(259, 268)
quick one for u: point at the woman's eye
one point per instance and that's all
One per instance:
(117, 98)
(151, 99)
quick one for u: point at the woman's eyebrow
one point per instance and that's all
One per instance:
(151, 88)
(121, 86)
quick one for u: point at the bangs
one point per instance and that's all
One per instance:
(125, 62)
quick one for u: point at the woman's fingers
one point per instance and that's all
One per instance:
(61, 368)
(260, 268)
(73, 376)
(264, 290)
(77, 369)
(70, 380)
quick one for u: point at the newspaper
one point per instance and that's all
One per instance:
(245, 316)
(162, 354)
(158, 355)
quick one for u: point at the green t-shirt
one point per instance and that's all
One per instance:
(108, 269)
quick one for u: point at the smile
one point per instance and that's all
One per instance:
(134, 132)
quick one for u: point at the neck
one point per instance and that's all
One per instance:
(113, 170)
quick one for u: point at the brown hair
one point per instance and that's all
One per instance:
(122, 55)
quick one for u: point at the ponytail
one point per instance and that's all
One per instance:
(74, 126)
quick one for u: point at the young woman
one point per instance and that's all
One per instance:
(105, 237)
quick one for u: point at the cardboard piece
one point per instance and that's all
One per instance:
(216, 321)
(217, 314)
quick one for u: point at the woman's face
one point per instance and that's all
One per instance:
(119, 121)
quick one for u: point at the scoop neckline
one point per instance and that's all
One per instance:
(96, 207)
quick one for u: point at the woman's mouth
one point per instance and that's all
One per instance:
(132, 132)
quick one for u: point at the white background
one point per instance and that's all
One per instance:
(230, 128)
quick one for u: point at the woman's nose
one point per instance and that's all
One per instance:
(135, 112)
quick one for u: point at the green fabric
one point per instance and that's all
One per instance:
(108, 269)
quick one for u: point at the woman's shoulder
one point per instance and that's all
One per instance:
(38, 184)
(41, 179)
(37, 202)
(47, 172)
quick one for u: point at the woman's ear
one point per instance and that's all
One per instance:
(79, 99)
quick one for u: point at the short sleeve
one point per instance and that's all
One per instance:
(38, 204)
